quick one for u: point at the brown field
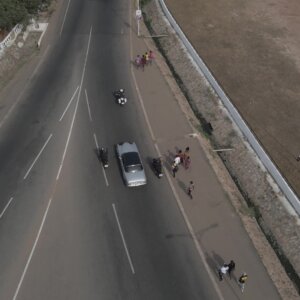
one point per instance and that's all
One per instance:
(253, 50)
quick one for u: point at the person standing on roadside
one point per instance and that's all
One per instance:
(151, 57)
(190, 189)
(138, 61)
(187, 162)
(143, 62)
(177, 160)
(242, 281)
(180, 154)
(222, 271)
(147, 58)
(186, 153)
(174, 169)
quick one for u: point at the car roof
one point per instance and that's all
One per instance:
(131, 158)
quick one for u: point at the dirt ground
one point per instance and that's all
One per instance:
(253, 50)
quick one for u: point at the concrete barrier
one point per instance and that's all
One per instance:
(10, 38)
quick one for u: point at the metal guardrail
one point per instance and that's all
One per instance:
(248, 134)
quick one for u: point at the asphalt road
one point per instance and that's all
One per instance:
(69, 230)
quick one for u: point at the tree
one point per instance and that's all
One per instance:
(31, 5)
(12, 12)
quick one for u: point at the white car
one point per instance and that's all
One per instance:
(131, 164)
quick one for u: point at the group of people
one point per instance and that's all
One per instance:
(183, 158)
(146, 59)
(228, 269)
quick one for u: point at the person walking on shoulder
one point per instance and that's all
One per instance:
(143, 62)
(231, 267)
(222, 271)
(190, 189)
(151, 57)
(242, 281)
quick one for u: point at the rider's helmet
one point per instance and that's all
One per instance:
(121, 90)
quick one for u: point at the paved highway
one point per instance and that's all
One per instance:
(69, 230)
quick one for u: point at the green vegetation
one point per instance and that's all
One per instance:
(13, 12)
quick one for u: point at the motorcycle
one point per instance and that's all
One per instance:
(120, 97)
(157, 166)
(103, 154)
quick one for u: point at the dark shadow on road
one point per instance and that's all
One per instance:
(183, 186)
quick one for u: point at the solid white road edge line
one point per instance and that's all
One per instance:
(88, 105)
(75, 111)
(6, 206)
(32, 251)
(72, 98)
(181, 208)
(123, 239)
(62, 26)
(104, 173)
(96, 141)
(27, 173)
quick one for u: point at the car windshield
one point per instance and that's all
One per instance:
(131, 162)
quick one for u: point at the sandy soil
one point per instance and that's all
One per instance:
(253, 49)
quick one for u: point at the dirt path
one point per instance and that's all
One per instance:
(253, 49)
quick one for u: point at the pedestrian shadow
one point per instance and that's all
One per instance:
(177, 149)
(218, 260)
(127, 24)
(183, 186)
(178, 235)
(234, 277)
(97, 153)
(169, 158)
(213, 264)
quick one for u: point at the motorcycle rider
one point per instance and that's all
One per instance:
(103, 153)
(120, 96)
(157, 165)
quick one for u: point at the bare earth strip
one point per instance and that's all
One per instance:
(253, 50)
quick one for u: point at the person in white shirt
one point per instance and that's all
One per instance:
(177, 160)
(223, 271)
